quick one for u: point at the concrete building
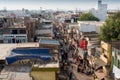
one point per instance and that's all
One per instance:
(30, 60)
(116, 60)
(21, 30)
(106, 56)
(46, 30)
(110, 54)
(46, 23)
(101, 12)
(30, 27)
(5, 22)
(89, 26)
(15, 34)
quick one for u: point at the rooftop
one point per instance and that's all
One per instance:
(5, 49)
(49, 41)
(91, 22)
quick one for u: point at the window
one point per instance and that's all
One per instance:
(23, 40)
(14, 32)
(9, 41)
(22, 31)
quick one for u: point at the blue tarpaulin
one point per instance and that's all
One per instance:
(29, 53)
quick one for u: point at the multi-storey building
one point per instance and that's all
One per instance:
(101, 12)
(90, 26)
(15, 34)
(116, 60)
(106, 56)
(30, 27)
(22, 30)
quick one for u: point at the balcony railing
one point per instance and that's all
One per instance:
(14, 38)
(9, 36)
(5, 35)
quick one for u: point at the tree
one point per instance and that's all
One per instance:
(110, 31)
(88, 17)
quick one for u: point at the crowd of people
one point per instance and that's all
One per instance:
(67, 50)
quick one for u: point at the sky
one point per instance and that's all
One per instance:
(56, 4)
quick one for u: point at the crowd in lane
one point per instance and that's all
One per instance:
(67, 51)
(65, 66)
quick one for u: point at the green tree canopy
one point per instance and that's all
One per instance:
(110, 31)
(88, 17)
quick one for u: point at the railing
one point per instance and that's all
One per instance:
(14, 35)
(9, 38)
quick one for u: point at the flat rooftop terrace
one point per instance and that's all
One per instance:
(5, 49)
(15, 72)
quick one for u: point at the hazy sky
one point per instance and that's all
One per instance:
(54, 4)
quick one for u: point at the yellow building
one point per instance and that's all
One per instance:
(106, 56)
(45, 72)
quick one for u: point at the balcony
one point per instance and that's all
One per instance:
(14, 35)
(8, 38)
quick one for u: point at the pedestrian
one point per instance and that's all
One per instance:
(65, 67)
(78, 68)
(70, 77)
(77, 58)
(66, 56)
(62, 55)
(70, 69)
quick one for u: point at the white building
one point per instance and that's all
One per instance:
(89, 26)
(14, 38)
(116, 60)
(101, 12)
(46, 23)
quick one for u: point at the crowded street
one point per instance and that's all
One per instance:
(72, 66)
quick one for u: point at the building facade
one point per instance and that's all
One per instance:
(106, 56)
(16, 33)
(101, 12)
(30, 27)
(89, 26)
(116, 62)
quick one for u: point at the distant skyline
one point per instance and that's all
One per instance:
(57, 4)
